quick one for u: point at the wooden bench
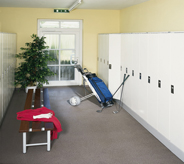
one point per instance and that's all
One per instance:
(36, 126)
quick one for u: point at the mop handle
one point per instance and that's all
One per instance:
(124, 79)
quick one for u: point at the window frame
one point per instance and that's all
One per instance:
(40, 32)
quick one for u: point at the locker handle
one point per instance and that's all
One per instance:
(172, 89)
(140, 76)
(149, 79)
(110, 66)
(159, 83)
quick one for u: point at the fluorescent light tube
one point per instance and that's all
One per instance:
(75, 5)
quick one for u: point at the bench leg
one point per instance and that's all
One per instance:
(24, 142)
(48, 140)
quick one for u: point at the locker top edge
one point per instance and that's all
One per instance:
(163, 32)
(7, 33)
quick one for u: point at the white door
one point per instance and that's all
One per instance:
(61, 47)
(64, 39)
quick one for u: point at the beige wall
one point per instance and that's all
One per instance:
(23, 21)
(150, 16)
(153, 15)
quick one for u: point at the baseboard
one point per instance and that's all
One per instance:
(179, 153)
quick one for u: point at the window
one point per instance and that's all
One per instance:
(64, 39)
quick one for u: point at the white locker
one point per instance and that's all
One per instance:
(127, 50)
(155, 88)
(109, 54)
(7, 66)
(143, 78)
(12, 56)
(134, 80)
(13, 62)
(177, 97)
(105, 58)
(5, 75)
(99, 54)
(102, 53)
(152, 71)
(115, 62)
(1, 89)
(164, 89)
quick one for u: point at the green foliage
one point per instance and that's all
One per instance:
(34, 69)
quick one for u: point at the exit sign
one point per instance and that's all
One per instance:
(61, 11)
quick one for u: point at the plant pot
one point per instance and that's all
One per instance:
(30, 87)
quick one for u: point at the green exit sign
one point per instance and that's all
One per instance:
(61, 11)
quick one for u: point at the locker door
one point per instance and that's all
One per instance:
(1, 104)
(115, 61)
(5, 77)
(104, 50)
(177, 97)
(127, 50)
(152, 65)
(134, 73)
(143, 78)
(163, 87)
(105, 58)
(99, 54)
(8, 67)
(10, 64)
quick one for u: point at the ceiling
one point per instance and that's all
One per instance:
(87, 4)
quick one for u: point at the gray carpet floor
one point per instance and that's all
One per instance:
(88, 137)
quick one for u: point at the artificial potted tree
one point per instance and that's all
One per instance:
(33, 71)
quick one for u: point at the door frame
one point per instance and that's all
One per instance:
(41, 32)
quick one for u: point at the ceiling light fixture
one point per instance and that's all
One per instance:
(75, 5)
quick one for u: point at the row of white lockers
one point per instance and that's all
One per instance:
(109, 55)
(155, 88)
(7, 68)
